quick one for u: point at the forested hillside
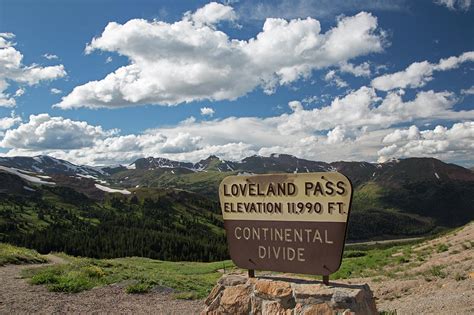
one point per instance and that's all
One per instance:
(165, 224)
(169, 210)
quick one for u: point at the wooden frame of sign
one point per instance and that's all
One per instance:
(287, 222)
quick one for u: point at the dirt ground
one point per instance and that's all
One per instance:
(19, 297)
(438, 278)
(417, 288)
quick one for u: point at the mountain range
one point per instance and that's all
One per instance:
(399, 198)
(400, 171)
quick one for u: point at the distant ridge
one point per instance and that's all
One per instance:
(146, 171)
(399, 198)
(393, 171)
(48, 165)
(397, 170)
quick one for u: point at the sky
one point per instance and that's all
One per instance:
(107, 82)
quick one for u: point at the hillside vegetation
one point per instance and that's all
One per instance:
(402, 198)
(169, 210)
(161, 224)
(138, 275)
(10, 254)
(189, 279)
(427, 261)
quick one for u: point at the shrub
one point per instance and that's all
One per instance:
(354, 253)
(48, 276)
(403, 260)
(18, 255)
(138, 288)
(437, 271)
(71, 284)
(93, 271)
(459, 277)
(186, 296)
(442, 248)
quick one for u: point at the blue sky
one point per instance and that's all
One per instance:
(323, 80)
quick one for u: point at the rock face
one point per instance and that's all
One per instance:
(238, 294)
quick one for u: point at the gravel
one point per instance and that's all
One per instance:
(17, 296)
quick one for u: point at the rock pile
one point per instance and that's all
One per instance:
(238, 294)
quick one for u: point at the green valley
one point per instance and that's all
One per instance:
(161, 224)
(169, 210)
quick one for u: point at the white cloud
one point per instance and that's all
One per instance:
(387, 152)
(336, 135)
(212, 13)
(412, 133)
(19, 92)
(4, 39)
(8, 122)
(419, 73)
(207, 111)
(5, 99)
(191, 60)
(108, 60)
(12, 70)
(333, 78)
(469, 91)
(454, 62)
(295, 106)
(357, 126)
(362, 70)
(456, 142)
(364, 109)
(354, 109)
(50, 56)
(56, 91)
(43, 132)
(426, 105)
(454, 5)
(415, 75)
(310, 99)
(183, 142)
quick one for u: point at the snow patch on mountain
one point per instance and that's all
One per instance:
(44, 176)
(26, 177)
(28, 188)
(91, 177)
(48, 165)
(111, 190)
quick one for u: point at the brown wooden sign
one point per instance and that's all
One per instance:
(286, 222)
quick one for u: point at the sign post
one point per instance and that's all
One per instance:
(287, 222)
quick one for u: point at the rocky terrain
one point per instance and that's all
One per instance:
(432, 277)
(17, 296)
(436, 277)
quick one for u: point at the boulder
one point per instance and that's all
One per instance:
(238, 294)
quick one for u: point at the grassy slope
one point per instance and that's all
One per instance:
(195, 280)
(386, 221)
(370, 199)
(138, 275)
(205, 183)
(189, 279)
(24, 212)
(18, 255)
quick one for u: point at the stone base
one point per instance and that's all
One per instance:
(238, 294)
